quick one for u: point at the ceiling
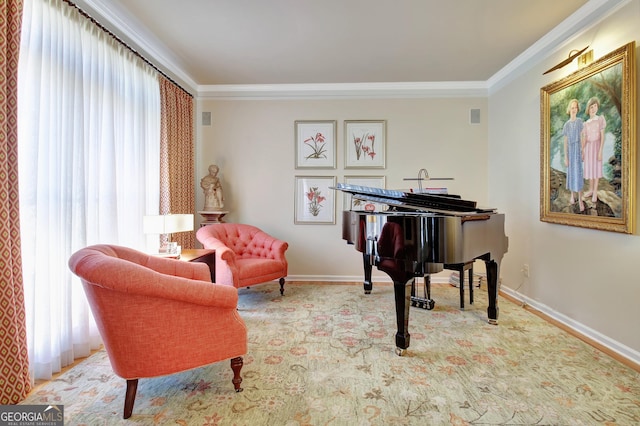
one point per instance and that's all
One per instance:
(253, 42)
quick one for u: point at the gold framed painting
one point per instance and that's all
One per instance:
(588, 145)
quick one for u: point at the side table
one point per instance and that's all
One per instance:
(201, 255)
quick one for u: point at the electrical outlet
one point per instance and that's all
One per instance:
(525, 270)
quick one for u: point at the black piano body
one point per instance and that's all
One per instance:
(421, 235)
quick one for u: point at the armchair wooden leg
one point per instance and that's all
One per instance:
(130, 397)
(281, 281)
(236, 366)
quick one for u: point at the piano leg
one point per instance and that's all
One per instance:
(471, 285)
(402, 291)
(492, 289)
(368, 285)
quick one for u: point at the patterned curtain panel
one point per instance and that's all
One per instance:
(176, 156)
(14, 359)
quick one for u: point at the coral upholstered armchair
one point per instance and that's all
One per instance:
(245, 255)
(159, 316)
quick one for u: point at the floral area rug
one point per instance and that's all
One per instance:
(325, 355)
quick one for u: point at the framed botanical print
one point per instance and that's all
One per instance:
(588, 145)
(349, 203)
(315, 200)
(315, 144)
(365, 144)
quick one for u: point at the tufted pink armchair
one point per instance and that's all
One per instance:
(245, 255)
(159, 316)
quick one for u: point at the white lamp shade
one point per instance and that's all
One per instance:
(167, 224)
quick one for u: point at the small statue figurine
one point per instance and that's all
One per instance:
(210, 184)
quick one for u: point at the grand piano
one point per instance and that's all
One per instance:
(421, 234)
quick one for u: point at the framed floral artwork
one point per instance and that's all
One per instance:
(315, 144)
(315, 200)
(365, 144)
(349, 203)
(588, 145)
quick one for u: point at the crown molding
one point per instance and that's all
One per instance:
(113, 17)
(591, 13)
(447, 89)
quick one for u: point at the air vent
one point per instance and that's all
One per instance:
(206, 118)
(474, 116)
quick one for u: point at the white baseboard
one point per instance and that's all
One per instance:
(613, 345)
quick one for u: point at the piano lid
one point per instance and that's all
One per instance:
(400, 200)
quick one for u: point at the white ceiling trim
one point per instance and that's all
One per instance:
(590, 14)
(132, 32)
(568, 30)
(345, 90)
(584, 18)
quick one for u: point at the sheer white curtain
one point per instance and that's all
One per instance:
(89, 141)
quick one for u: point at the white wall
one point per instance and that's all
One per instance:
(586, 278)
(253, 143)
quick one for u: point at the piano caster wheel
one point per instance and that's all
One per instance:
(431, 304)
(400, 352)
(493, 321)
(367, 292)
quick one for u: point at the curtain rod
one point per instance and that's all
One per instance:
(135, 52)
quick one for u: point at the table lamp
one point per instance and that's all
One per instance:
(167, 224)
